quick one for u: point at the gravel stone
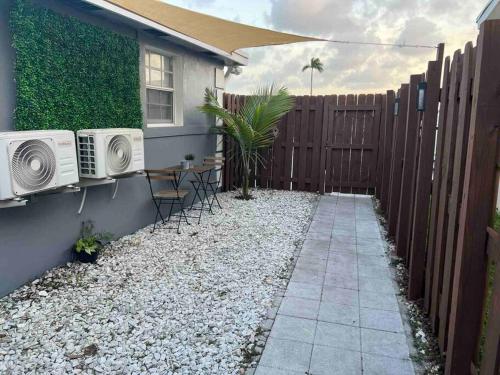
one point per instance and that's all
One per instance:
(161, 303)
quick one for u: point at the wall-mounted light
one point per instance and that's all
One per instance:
(396, 106)
(421, 91)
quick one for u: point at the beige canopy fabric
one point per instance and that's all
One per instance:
(225, 35)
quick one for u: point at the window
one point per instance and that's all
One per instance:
(160, 90)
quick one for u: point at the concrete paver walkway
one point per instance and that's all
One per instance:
(340, 314)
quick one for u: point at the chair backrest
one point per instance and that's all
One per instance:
(216, 161)
(160, 175)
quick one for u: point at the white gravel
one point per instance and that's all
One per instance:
(161, 303)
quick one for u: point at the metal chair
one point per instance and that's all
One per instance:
(173, 196)
(214, 179)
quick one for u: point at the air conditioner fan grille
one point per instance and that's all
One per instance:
(33, 165)
(119, 154)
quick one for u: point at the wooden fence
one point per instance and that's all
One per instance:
(325, 144)
(437, 174)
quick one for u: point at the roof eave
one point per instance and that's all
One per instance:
(487, 11)
(234, 58)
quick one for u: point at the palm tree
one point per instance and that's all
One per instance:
(253, 127)
(315, 64)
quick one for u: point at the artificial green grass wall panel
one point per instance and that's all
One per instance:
(72, 75)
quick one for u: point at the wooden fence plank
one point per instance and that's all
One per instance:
(477, 204)
(391, 152)
(296, 137)
(458, 170)
(325, 160)
(314, 164)
(357, 138)
(446, 175)
(413, 180)
(288, 150)
(436, 187)
(328, 130)
(387, 152)
(302, 150)
(397, 159)
(349, 126)
(490, 363)
(379, 162)
(339, 122)
(423, 182)
(406, 194)
(371, 136)
(280, 149)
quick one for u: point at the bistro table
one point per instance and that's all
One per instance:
(202, 174)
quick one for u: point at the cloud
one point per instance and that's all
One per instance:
(353, 68)
(420, 30)
(201, 3)
(327, 18)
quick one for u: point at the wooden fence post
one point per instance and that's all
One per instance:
(443, 194)
(458, 170)
(490, 362)
(324, 164)
(373, 176)
(280, 148)
(307, 101)
(314, 165)
(379, 170)
(388, 121)
(397, 160)
(406, 194)
(436, 186)
(288, 150)
(424, 180)
(477, 202)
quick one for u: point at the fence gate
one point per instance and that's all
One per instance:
(351, 127)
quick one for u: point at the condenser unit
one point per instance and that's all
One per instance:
(34, 161)
(106, 153)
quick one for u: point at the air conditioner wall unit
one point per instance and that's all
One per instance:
(35, 161)
(104, 153)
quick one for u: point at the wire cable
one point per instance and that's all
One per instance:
(400, 45)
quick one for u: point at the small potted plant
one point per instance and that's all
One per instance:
(186, 163)
(89, 244)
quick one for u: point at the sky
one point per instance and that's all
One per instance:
(348, 68)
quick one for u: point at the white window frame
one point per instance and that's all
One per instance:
(177, 100)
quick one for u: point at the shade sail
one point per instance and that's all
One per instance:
(225, 35)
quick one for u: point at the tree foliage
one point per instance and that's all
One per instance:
(315, 64)
(253, 127)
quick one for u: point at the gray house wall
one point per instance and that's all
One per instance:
(39, 236)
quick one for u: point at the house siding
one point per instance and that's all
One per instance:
(40, 236)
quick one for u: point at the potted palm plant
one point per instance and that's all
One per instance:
(254, 127)
(89, 245)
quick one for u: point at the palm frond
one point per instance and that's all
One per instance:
(254, 126)
(316, 64)
(212, 107)
(274, 109)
